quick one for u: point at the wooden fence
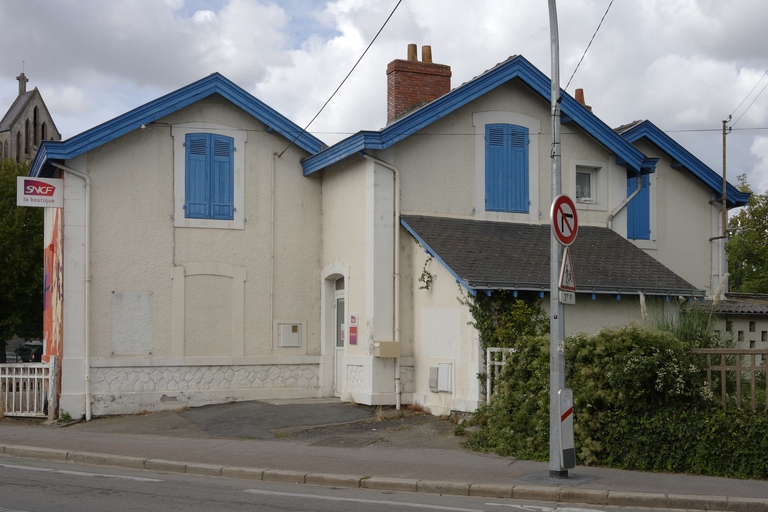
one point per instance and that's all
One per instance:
(733, 372)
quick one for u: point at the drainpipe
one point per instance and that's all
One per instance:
(626, 201)
(87, 303)
(272, 255)
(396, 276)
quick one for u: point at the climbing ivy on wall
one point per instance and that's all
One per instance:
(502, 319)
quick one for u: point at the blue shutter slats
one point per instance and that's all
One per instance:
(639, 210)
(197, 182)
(209, 177)
(222, 197)
(506, 168)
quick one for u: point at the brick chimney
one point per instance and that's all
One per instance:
(412, 83)
(580, 99)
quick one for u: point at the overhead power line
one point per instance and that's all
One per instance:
(345, 78)
(590, 44)
(748, 95)
(753, 101)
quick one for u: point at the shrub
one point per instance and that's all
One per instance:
(626, 371)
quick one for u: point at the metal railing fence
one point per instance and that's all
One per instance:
(29, 389)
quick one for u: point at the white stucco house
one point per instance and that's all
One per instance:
(196, 261)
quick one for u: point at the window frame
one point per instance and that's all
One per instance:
(239, 137)
(598, 171)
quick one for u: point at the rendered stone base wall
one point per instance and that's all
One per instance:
(132, 389)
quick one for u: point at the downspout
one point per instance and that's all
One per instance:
(626, 201)
(272, 255)
(87, 286)
(396, 276)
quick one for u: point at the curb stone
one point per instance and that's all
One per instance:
(523, 492)
(333, 480)
(106, 460)
(588, 496)
(286, 477)
(491, 490)
(170, 466)
(389, 484)
(437, 487)
(33, 452)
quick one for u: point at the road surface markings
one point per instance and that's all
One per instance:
(533, 508)
(80, 473)
(355, 500)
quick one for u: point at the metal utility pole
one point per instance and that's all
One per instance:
(556, 317)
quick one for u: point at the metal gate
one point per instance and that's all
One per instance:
(30, 389)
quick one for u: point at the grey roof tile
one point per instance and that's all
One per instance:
(743, 304)
(505, 255)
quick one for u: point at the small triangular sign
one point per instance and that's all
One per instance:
(567, 278)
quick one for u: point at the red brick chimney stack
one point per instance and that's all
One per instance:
(412, 83)
(580, 99)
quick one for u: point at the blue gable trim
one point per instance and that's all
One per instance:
(515, 67)
(432, 253)
(154, 110)
(682, 158)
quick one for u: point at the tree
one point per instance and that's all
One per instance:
(21, 261)
(748, 244)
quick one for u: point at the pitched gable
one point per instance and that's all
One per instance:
(154, 110)
(682, 158)
(515, 67)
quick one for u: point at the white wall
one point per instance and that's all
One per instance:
(136, 250)
(440, 333)
(684, 222)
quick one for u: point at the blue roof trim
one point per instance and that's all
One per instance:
(156, 109)
(516, 67)
(734, 197)
(437, 257)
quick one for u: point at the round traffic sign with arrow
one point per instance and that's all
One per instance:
(565, 222)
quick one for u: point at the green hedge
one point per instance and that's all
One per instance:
(640, 402)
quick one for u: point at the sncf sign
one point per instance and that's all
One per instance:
(41, 192)
(37, 188)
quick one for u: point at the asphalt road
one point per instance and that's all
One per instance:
(37, 486)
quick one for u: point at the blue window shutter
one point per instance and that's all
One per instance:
(506, 168)
(223, 177)
(197, 180)
(209, 177)
(639, 210)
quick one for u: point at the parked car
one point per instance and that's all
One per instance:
(11, 357)
(30, 352)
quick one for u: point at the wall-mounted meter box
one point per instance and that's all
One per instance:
(386, 349)
(288, 335)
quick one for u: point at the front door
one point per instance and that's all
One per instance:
(338, 374)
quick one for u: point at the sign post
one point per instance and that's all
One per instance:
(564, 228)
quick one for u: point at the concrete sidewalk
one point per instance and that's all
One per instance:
(327, 443)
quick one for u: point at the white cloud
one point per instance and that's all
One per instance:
(683, 64)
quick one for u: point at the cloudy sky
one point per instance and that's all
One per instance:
(684, 64)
